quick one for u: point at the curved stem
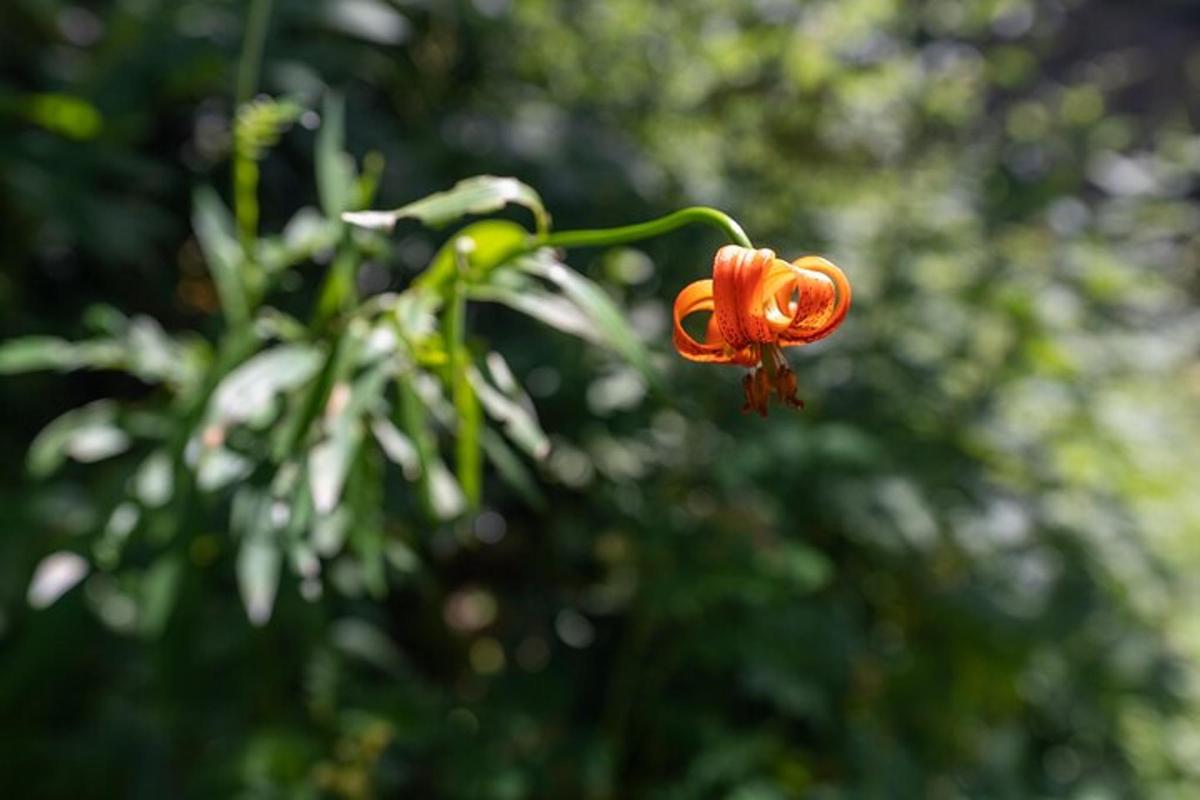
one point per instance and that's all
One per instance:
(603, 237)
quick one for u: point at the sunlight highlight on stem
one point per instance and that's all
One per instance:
(604, 237)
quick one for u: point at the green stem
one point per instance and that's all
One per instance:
(245, 171)
(468, 459)
(252, 50)
(605, 237)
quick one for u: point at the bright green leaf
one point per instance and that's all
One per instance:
(482, 194)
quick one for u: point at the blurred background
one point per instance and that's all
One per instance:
(967, 569)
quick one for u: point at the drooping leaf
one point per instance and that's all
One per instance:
(517, 418)
(603, 314)
(85, 434)
(398, 447)
(512, 470)
(546, 307)
(482, 194)
(259, 556)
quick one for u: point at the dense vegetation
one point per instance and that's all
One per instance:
(493, 539)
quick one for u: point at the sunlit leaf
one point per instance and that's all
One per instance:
(604, 315)
(258, 578)
(331, 459)
(219, 467)
(249, 391)
(153, 482)
(399, 448)
(483, 194)
(56, 574)
(518, 419)
(86, 434)
(485, 245)
(259, 557)
(445, 495)
(371, 20)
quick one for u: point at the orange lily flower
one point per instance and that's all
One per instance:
(760, 304)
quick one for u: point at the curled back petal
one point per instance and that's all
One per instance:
(697, 297)
(817, 302)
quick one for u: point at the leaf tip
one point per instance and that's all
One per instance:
(371, 220)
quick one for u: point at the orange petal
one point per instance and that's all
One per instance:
(738, 297)
(817, 301)
(694, 298)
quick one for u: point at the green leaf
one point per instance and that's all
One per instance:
(514, 413)
(84, 434)
(439, 491)
(605, 316)
(483, 194)
(259, 557)
(56, 574)
(335, 169)
(32, 353)
(512, 470)
(398, 447)
(218, 467)
(154, 482)
(546, 307)
(217, 235)
(248, 393)
(160, 587)
(486, 245)
(330, 460)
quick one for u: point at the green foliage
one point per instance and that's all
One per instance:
(292, 526)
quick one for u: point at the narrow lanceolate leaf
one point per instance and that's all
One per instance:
(517, 418)
(512, 470)
(604, 315)
(545, 307)
(55, 575)
(259, 557)
(439, 490)
(330, 460)
(86, 434)
(32, 353)
(400, 449)
(249, 392)
(483, 194)
(217, 235)
(335, 170)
